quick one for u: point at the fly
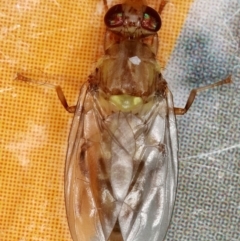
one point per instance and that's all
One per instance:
(121, 164)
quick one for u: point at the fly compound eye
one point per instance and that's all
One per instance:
(114, 16)
(151, 20)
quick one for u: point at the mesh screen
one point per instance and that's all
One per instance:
(60, 42)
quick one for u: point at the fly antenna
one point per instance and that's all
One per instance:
(105, 5)
(162, 6)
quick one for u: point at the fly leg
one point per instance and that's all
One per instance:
(193, 93)
(61, 96)
(105, 5)
(162, 5)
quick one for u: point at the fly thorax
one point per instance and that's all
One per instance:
(129, 68)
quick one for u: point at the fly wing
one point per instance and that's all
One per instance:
(121, 170)
(81, 210)
(91, 208)
(147, 209)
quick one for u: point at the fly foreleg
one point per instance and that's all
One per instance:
(61, 96)
(193, 93)
(162, 5)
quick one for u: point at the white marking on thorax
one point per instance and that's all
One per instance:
(135, 60)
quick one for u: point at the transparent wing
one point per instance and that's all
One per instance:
(121, 170)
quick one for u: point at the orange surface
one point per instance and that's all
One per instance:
(58, 42)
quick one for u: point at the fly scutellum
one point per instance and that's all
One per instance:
(121, 165)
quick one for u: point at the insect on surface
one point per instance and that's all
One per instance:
(121, 165)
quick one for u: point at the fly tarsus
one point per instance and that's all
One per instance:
(61, 96)
(193, 93)
(23, 78)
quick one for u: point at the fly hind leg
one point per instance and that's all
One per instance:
(193, 93)
(61, 96)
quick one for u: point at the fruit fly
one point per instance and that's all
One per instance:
(121, 165)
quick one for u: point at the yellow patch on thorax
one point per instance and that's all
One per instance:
(126, 103)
